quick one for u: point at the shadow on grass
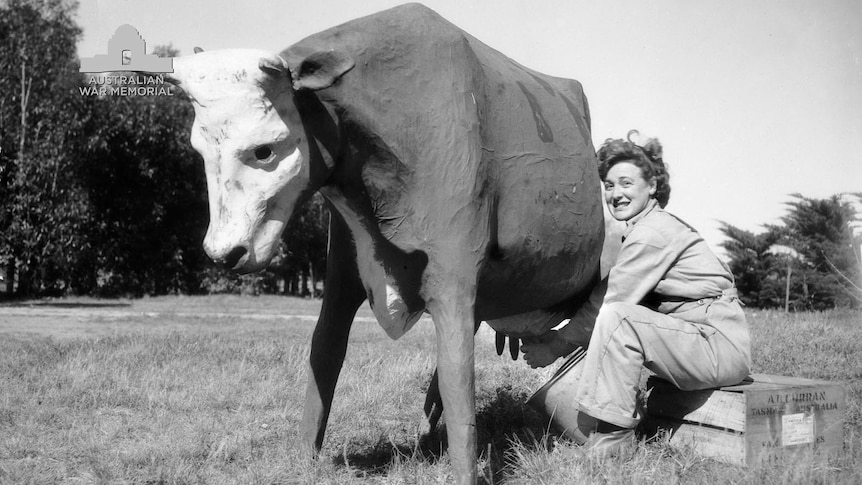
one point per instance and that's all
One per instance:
(378, 459)
(503, 418)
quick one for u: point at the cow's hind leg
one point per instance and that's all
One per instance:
(433, 402)
(343, 294)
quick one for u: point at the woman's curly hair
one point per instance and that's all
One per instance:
(647, 157)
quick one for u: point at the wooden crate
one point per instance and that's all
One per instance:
(762, 418)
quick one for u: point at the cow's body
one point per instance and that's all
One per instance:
(464, 185)
(454, 147)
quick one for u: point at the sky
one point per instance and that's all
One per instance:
(752, 100)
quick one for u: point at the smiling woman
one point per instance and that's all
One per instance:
(633, 176)
(627, 192)
(670, 305)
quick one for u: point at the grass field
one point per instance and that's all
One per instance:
(210, 389)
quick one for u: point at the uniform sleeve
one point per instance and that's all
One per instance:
(580, 325)
(643, 261)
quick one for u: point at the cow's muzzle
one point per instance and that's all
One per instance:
(235, 258)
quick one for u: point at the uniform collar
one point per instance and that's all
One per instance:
(651, 206)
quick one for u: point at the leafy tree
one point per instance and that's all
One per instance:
(810, 262)
(820, 230)
(42, 211)
(757, 270)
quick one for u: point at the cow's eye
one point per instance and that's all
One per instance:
(262, 152)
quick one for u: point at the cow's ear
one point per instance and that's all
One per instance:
(320, 70)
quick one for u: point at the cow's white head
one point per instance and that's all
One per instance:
(249, 131)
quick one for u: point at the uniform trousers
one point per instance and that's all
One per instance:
(698, 345)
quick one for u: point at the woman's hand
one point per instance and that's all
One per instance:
(543, 351)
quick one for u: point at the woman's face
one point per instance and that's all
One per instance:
(627, 193)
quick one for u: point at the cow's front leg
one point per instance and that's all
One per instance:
(433, 401)
(453, 316)
(343, 295)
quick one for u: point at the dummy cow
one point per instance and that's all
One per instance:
(461, 183)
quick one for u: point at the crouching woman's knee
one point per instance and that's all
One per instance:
(615, 311)
(611, 315)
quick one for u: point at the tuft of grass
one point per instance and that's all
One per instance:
(205, 390)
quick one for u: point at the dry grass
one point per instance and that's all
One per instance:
(209, 390)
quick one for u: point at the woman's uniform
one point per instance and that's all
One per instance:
(670, 306)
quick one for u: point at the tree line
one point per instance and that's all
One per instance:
(810, 260)
(103, 195)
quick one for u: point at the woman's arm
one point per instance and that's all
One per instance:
(576, 333)
(644, 259)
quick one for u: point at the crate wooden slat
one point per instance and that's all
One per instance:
(762, 418)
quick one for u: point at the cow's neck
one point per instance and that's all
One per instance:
(323, 132)
(356, 187)
(392, 277)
